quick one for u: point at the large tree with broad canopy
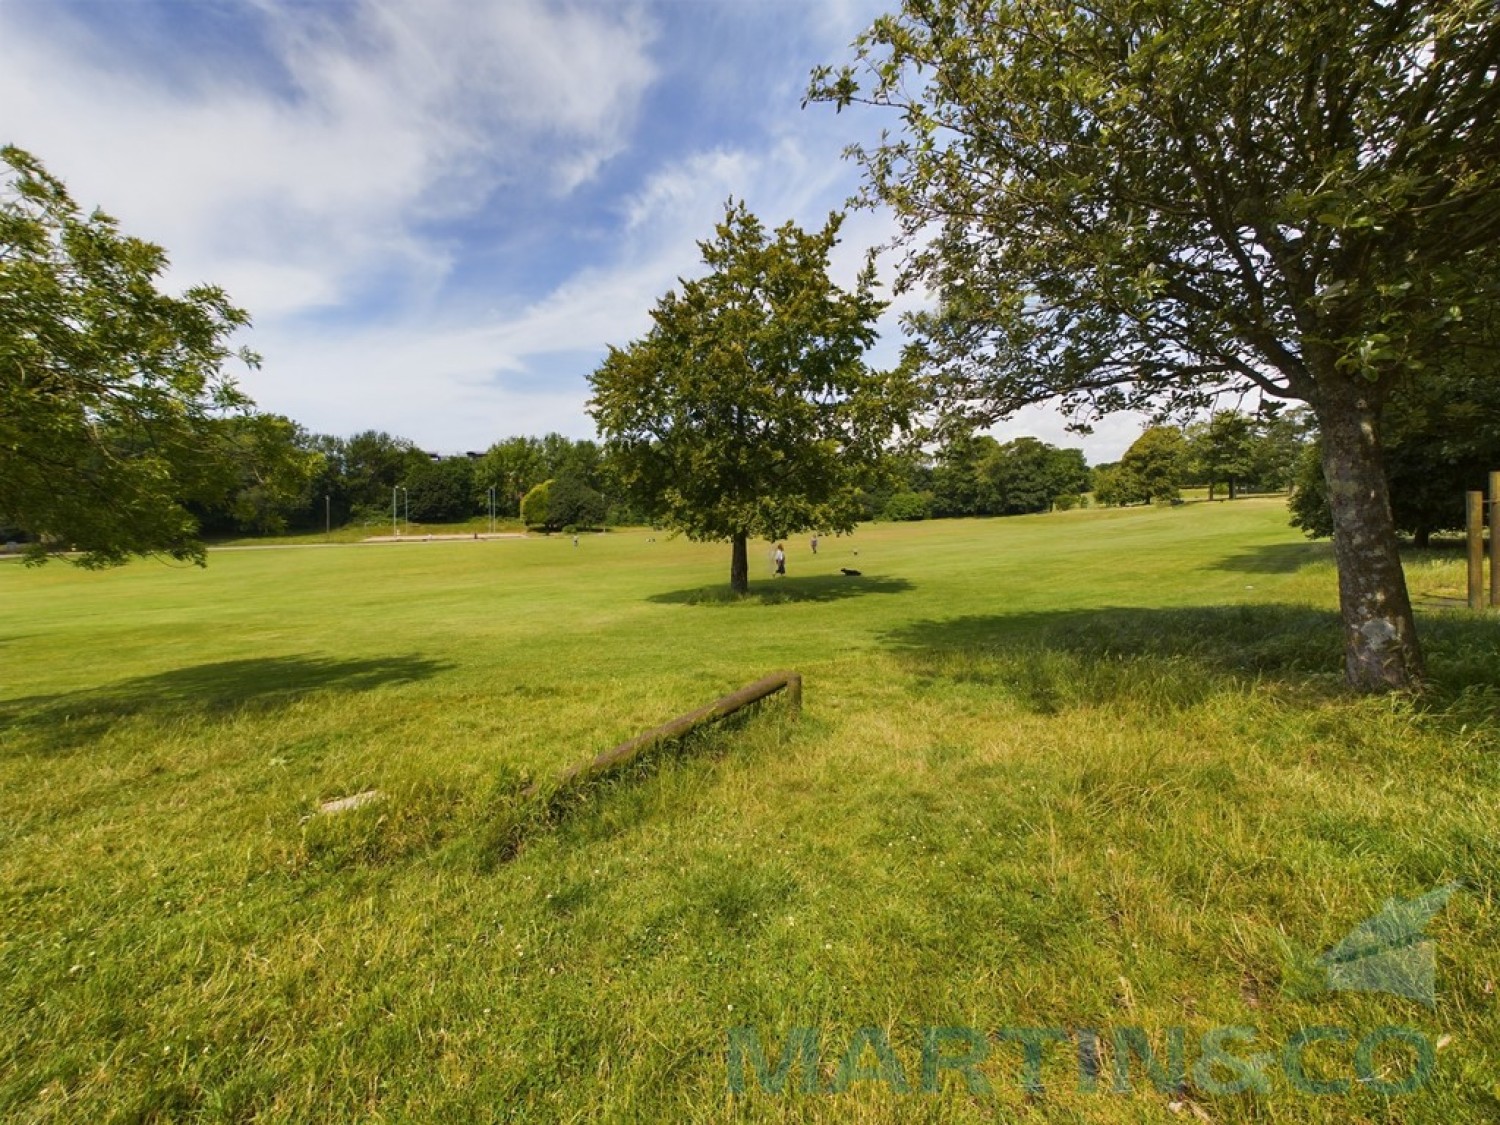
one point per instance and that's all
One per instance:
(747, 409)
(1124, 204)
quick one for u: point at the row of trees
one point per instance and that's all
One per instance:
(1235, 452)
(290, 479)
(1228, 453)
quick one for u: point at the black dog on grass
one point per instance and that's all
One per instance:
(847, 573)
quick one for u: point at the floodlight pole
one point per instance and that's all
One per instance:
(395, 527)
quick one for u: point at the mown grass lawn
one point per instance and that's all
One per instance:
(1089, 770)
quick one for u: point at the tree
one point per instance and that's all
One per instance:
(1111, 486)
(1152, 469)
(273, 468)
(907, 505)
(572, 503)
(1154, 466)
(109, 388)
(375, 462)
(1120, 204)
(535, 506)
(960, 486)
(513, 467)
(1020, 473)
(748, 409)
(441, 491)
(1028, 475)
(1442, 439)
(1277, 448)
(1223, 449)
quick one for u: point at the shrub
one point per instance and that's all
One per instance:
(908, 505)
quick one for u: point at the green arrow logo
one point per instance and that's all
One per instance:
(1390, 951)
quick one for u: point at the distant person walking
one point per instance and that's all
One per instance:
(815, 544)
(780, 558)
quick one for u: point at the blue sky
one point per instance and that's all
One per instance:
(440, 213)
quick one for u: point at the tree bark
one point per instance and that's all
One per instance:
(739, 565)
(1380, 636)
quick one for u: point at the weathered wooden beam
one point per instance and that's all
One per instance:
(626, 752)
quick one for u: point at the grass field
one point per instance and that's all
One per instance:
(1089, 770)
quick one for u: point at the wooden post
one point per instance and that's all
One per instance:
(626, 752)
(1495, 540)
(1476, 549)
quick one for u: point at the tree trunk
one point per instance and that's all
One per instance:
(1380, 635)
(739, 565)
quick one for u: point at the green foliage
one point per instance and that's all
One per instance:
(1111, 486)
(110, 389)
(275, 468)
(1153, 469)
(572, 503)
(374, 463)
(975, 475)
(747, 410)
(518, 464)
(563, 503)
(959, 487)
(1028, 475)
(1441, 439)
(534, 505)
(514, 467)
(441, 491)
(1282, 435)
(1119, 204)
(907, 505)
(1143, 205)
(1223, 449)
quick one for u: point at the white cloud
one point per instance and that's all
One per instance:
(308, 180)
(1111, 436)
(393, 114)
(453, 374)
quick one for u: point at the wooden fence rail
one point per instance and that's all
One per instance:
(626, 752)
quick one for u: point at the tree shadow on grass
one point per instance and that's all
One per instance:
(1166, 659)
(1276, 558)
(818, 588)
(70, 720)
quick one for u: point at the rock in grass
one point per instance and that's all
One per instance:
(354, 801)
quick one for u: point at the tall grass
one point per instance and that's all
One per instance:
(1088, 770)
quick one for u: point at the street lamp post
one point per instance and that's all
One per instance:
(406, 506)
(492, 509)
(395, 527)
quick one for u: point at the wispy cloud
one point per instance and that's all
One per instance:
(439, 212)
(389, 115)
